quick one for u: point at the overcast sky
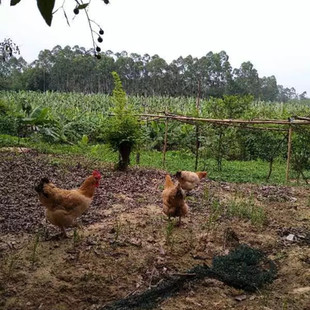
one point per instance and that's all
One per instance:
(272, 34)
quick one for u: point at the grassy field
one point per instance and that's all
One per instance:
(232, 171)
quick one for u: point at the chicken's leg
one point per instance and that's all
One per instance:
(63, 232)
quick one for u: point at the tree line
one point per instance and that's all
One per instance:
(74, 69)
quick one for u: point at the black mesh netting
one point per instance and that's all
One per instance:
(243, 268)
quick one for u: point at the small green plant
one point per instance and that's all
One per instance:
(117, 230)
(169, 232)
(215, 214)
(11, 263)
(191, 238)
(84, 141)
(33, 257)
(285, 304)
(247, 209)
(206, 194)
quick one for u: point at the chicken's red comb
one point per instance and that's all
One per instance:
(96, 174)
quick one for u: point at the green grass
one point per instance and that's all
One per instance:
(246, 209)
(232, 171)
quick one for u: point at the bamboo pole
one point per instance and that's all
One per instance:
(241, 126)
(303, 118)
(197, 127)
(165, 143)
(289, 149)
(254, 127)
(230, 121)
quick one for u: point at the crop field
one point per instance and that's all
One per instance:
(72, 122)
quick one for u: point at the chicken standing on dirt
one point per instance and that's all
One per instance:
(189, 179)
(174, 199)
(64, 206)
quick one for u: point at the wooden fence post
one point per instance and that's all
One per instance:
(165, 143)
(197, 127)
(289, 149)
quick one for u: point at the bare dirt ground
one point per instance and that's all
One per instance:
(127, 245)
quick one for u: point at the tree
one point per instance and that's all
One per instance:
(226, 107)
(246, 80)
(46, 8)
(269, 88)
(74, 69)
(124, 66)
(104, 67)
(157, 69)
(123, 130)
(219, 72)
(286, 94)
(12, 73)
(301, 151)
(40, 71)
(303, 96)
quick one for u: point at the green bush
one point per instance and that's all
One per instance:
(8, 125)
(122, 131)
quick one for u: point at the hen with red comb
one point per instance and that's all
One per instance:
(64, 206)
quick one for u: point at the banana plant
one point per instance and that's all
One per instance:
(35, 120)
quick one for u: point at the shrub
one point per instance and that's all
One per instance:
(122, 131)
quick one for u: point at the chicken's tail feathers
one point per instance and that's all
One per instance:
(168, 181)
(178, 174)
(201, 174)
(40, 187)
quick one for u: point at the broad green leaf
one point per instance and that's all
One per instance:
(46, 9)
(82, 6)
(14, 2)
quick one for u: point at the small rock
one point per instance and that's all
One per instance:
(208, 282)
(290, 237)
(136, 242)
(300, 236)
(301, 290)
(150, 240)
(91, 242)
(240, 297)
(162, 251)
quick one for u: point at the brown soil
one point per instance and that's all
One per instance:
(127, 246)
